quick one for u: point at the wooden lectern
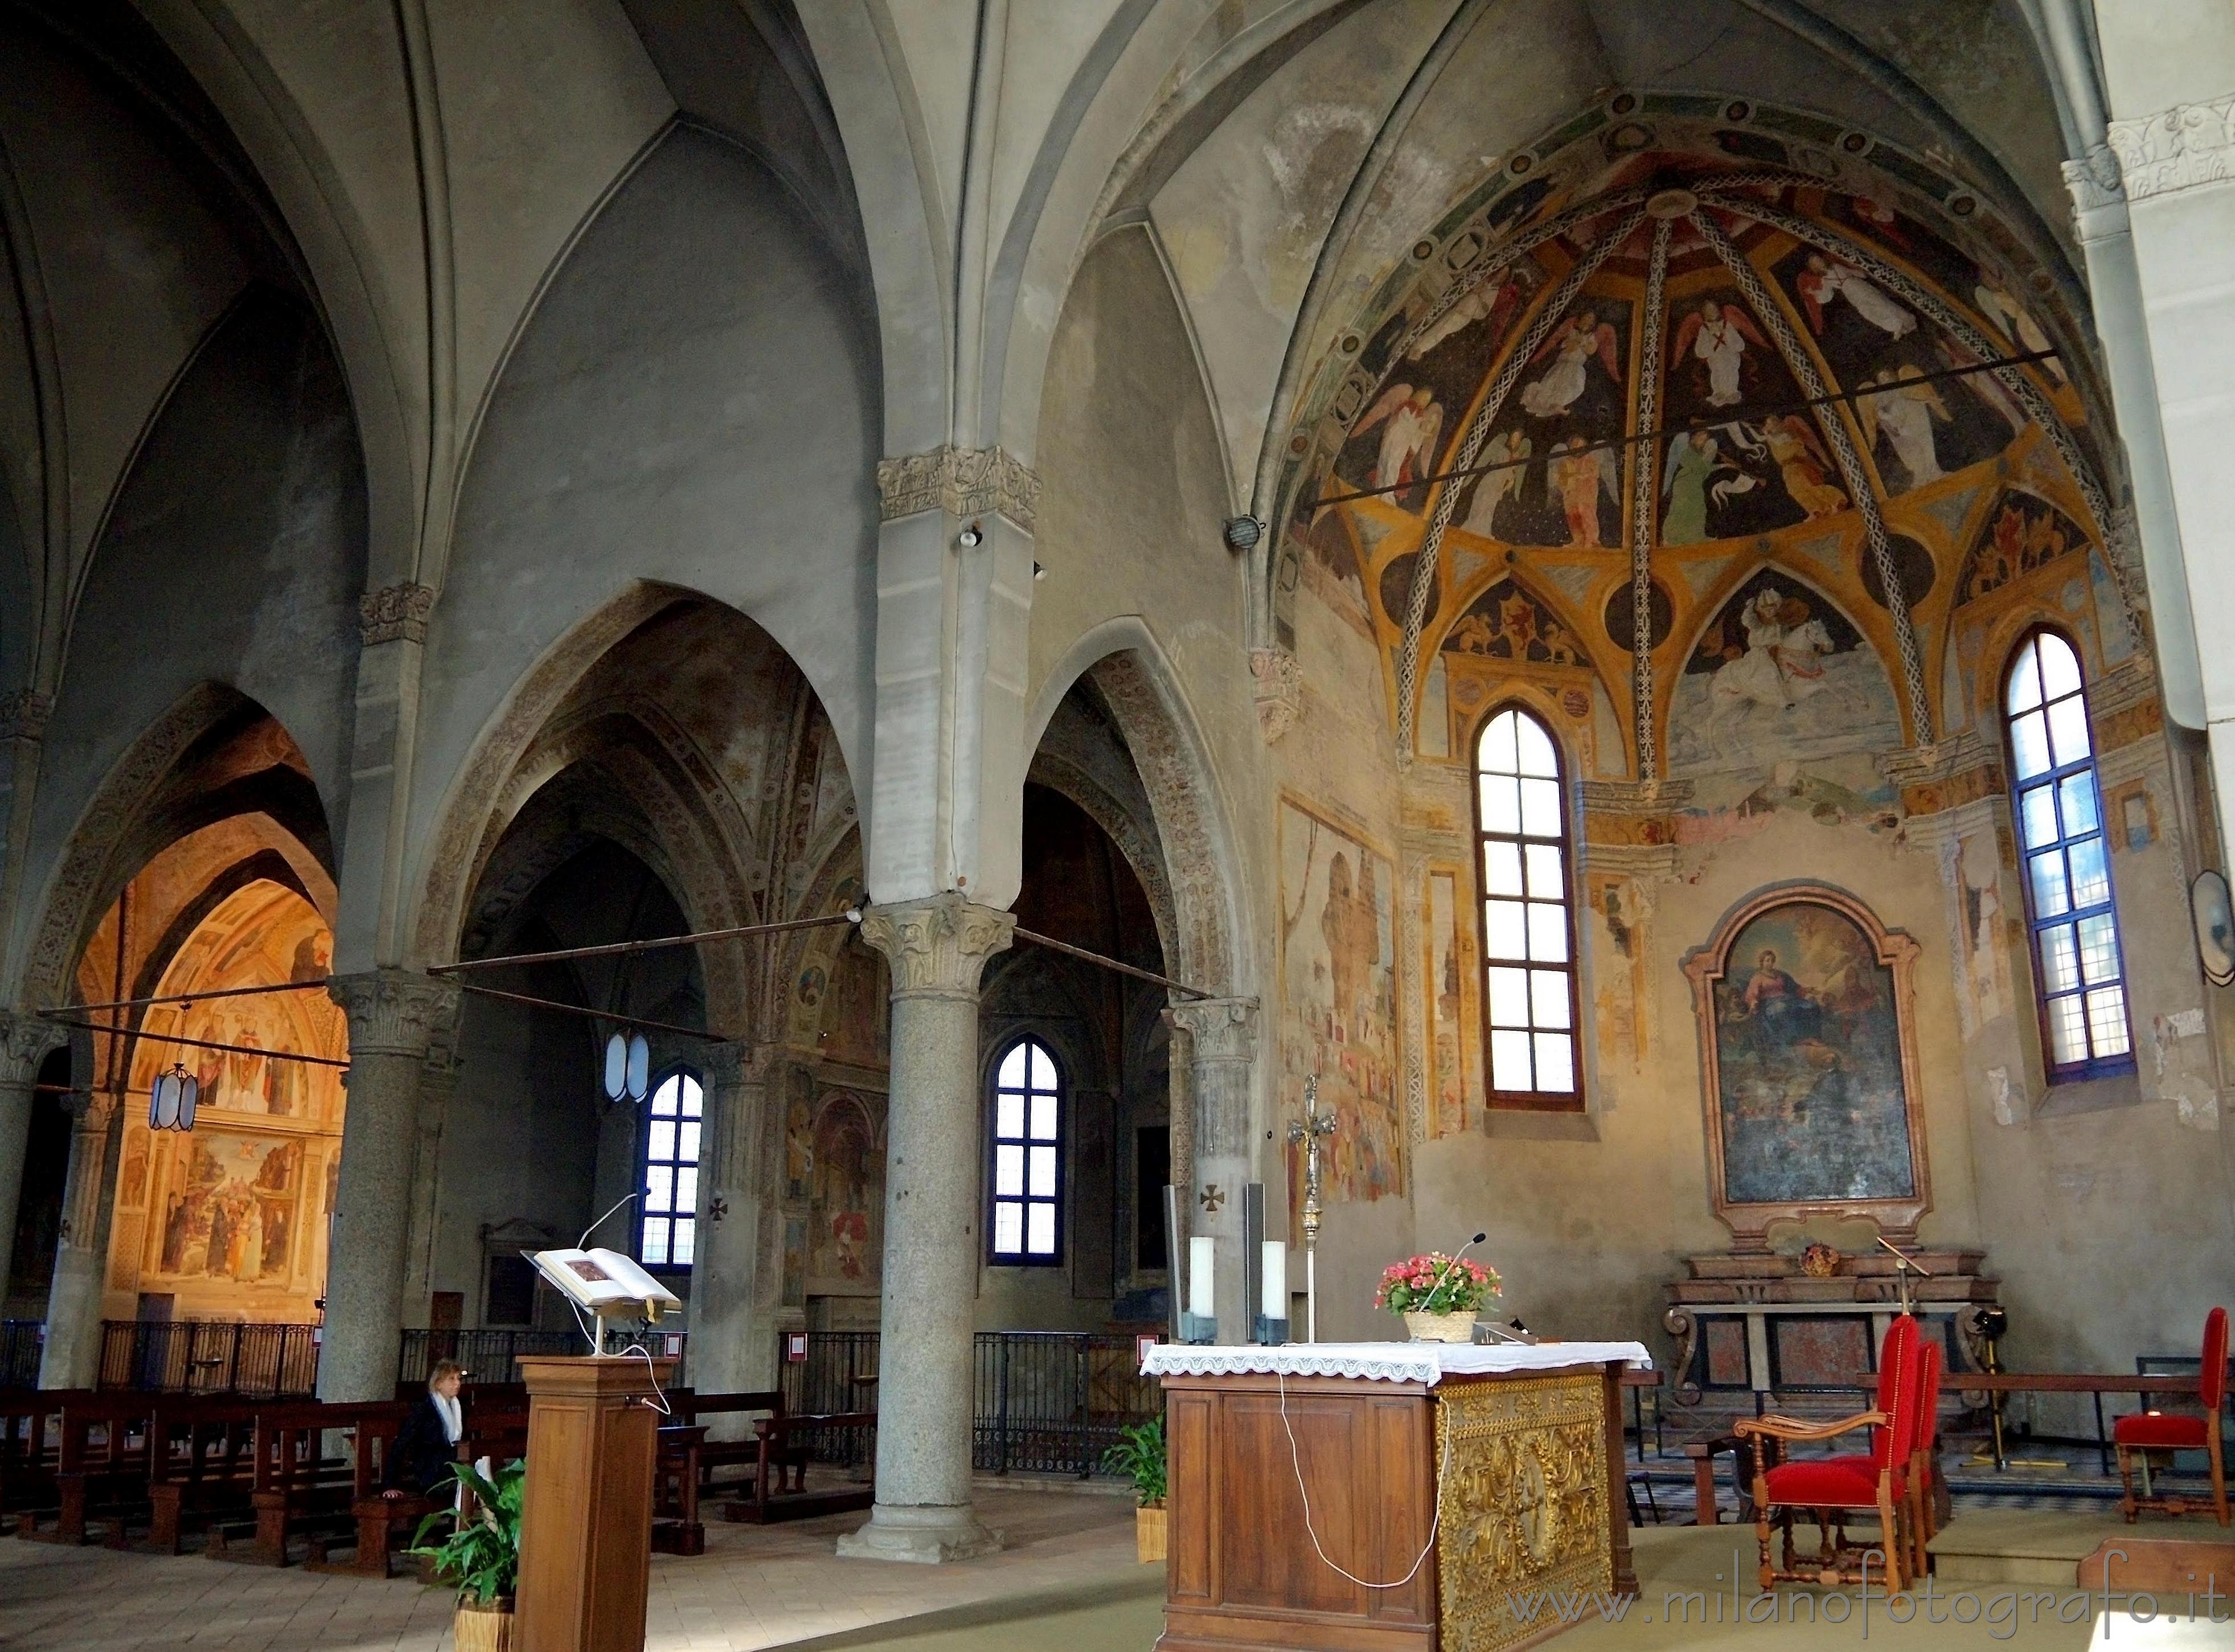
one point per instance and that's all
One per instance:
(1504, 1464)
(586, 1531)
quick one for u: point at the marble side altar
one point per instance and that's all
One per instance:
(1751, 1325)
(1399, 1496)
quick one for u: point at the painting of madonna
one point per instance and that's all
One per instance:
(1808, 1057)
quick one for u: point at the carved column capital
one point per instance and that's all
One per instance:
(396, 1012)
(963, 481)
(937, 946)
(23, 715)
(395, 611)
(93, 1109)
(736, 1065)
(1278, 690)
(1224, 1029)
(2179, 149)
(25, 1041)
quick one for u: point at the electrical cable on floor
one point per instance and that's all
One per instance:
(1443, 1461)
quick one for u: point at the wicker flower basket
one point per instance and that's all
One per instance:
(1441, 1328)
(1149, 1532)
(483, 1629)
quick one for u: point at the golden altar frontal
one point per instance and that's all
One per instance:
(1445, 1485)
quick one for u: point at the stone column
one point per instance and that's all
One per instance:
(1223, 1037)
(25, 1042)
(438, 1082)
(733, 1337)
(72, 1356)
(933, 1231)
(395, 1017)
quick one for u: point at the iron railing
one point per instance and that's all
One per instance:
(1049, 1402)
(489, 1356)
(210, 1356)
(21, 1341)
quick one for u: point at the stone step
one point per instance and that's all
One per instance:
(2040, 1547)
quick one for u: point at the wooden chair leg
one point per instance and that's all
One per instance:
(1889, 1535)
(1761, 1531)
(2219, 1478)
(2128, 1507)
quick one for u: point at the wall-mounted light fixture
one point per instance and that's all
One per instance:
(969, 537)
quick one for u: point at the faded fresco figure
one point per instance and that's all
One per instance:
(1338, 962)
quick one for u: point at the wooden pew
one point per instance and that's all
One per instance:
(676, 1528)
(386, 1523)
(690, 1408)
(298, 1491)
(30, 1446)
(782, 1456)
(201, 1455)
(101, 1464)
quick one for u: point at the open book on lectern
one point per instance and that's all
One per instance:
(605, 1283)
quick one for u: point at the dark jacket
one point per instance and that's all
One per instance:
(422, 1458)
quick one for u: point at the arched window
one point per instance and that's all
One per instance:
(1026, 1224)
(669, 1235)
(1527, 935)
(2077, 964)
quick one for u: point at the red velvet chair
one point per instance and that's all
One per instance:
(2154, 1431)
(1924, 1460)
(1832, 1488)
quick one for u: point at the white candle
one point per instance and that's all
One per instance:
(1275, 1292)
(1200, 1298)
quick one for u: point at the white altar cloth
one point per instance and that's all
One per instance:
(1428, 1362)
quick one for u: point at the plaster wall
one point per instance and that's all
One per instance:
(234, 553)
(1129, 530)
(674, 412)
(520, 1143)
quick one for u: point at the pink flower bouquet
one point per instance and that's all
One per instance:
(1436, 1284)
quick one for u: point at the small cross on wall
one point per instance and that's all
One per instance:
(1211, 1198)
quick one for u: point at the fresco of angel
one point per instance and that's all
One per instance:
(1409, 443)
(2016, 323)
(1826, 279)
(1580, 474)
(1695, 465)
(1717, 334)
(1510, 449)
(1904, 407)
(1803, 463)
(1572, 345)
(1493, 301)
(1985, 386)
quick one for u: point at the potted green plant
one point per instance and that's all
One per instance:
(1436, 1296)
(1139, 1455)
(482, 1555)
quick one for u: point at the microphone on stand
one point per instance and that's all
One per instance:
(1444, 1273)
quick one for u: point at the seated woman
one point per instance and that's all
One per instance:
(426, 1447)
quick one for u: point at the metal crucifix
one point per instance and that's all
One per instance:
(1308, 1130)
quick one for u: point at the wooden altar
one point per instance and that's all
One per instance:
(1529, 1441)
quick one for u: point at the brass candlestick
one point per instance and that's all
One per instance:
(1308, 1130)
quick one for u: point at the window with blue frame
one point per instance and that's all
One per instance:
(2079, 969)
(674, 1115)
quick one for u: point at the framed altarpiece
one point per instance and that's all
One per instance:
(1806, 1007)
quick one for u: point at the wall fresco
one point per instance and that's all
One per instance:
(1338, 975)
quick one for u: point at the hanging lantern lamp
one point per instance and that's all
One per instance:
(171, 1100)
(628, 1066)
